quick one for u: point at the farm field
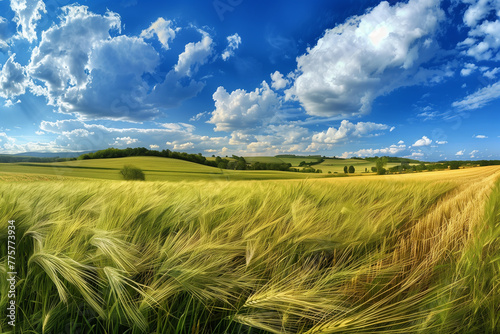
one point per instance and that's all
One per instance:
(155, 168)
(412, 253)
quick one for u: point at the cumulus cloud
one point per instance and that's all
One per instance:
(459, 153)
(27, 14)
(123, 141)
(278, 81)
(366, 57)
(480, 136)
(163, 29)
(441, 142)
(370, 152)
(13, 80)
(417, 155)
(424, 141)
(347, 130)
(233, 42)
(243, 110)
(83, 70)
(77, 135)
(491, 74)
(480, 98)
(483, 41)
(195, 55)
(473, 153)
(7, 144)
(468, 69)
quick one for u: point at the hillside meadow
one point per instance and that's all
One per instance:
(413, 253)
(155, 168)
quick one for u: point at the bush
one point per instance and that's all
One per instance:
(351, 169)
(130, 172)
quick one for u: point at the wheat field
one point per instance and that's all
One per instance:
(415, 253)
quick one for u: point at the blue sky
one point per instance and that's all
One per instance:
(417, 79)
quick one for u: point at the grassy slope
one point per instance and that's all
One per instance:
(293, 160)
(349, 255)
(337, 165)
(155, 168)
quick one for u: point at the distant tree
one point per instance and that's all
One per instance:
(130, 172)
(454, 164)
(380, 163)
(345, 169)
(329, 172)
(374, 169)
(366, 170)
(302, 163)
(351, 169)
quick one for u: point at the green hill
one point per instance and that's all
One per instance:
(155, 169)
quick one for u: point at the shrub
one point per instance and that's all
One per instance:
(130, 172)
(351, 169)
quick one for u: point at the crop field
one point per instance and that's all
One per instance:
(155, 168)
(413, 253)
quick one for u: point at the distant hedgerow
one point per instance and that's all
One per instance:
(130, 172)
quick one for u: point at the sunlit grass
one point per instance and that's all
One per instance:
(397, 254)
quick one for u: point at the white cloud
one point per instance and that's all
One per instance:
(441, 142)
(278, 81)
(481, 136)
(242, 109)
(122, 141)
(83, 70)
(366, 57)
(401, 142)
(233, 42)
(154, 147)
(7, 144)
(483, 41)
(370, 152)
(181, 147)
(27, 14)
(417, 155)
(13, 80)
(459, 153)
(473, 153)
(479, 98)
(347, 130)
(199, 116)
(424, 141)
(194, 55)
(468, 69)
(491, 74)
(3, 34)
(77, 135)
(163, 29)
